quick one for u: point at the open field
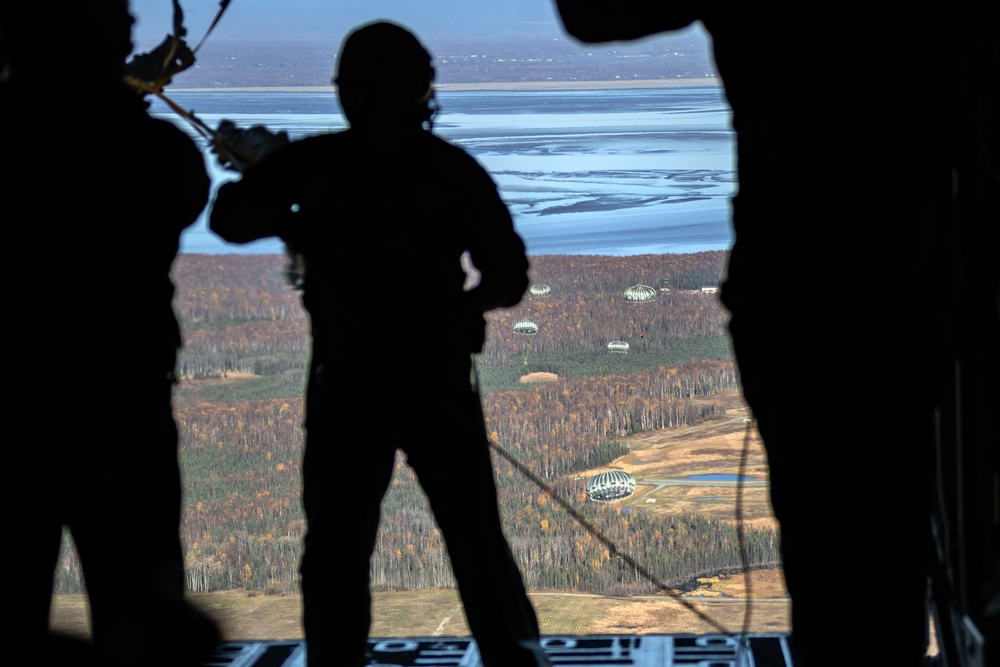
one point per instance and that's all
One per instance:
(661, 461)
(252, 615)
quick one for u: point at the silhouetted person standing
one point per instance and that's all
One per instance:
(382, 214)
(834, 287)
(95, 194)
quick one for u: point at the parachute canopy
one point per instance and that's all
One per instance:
(540, 290)
(618, 347)
(525, 326)
(640, 293)
(611, 485)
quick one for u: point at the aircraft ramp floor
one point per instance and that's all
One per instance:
(718, 650)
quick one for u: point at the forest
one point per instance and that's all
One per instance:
(239, 408)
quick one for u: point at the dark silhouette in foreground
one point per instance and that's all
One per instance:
(381, 272)
(95, 194)
(855, 287)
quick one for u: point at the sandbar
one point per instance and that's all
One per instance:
(519, 86)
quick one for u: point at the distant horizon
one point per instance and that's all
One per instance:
(433, 21)
(257, 44)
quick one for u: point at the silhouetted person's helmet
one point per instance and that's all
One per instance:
(384, 75)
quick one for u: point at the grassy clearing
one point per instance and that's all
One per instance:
(252, 615)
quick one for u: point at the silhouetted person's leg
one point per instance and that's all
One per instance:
(850, 489)
(343, 484)
(456, 472)
(125, 523)
(38, 535)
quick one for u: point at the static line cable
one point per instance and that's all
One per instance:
(223, 5)
(612, 547)
(590, 528)
(741, 528)
(744, 550)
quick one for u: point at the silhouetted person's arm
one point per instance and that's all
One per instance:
(180, 163)
(591, 21)
(261, 203)
(501, 287)
(499, 255)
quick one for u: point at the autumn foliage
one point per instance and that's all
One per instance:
(240, 410)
